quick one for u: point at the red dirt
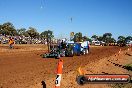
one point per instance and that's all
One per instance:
(23, 67)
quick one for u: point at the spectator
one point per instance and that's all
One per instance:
(11, 42)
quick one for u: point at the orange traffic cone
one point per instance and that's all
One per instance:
(59, 73)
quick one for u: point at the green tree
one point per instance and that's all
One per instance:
(107, 37)
(100, 38)
(121, 39)
(0, 26)
(32, 32)
(21, 31)
(112, 40)
(8, 29)
(94, 37)
(128, 38)
(26, 34)
(0, 29)
(85, 38)
(78, 37)
(47, 34)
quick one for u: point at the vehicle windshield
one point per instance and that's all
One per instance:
(97, 43)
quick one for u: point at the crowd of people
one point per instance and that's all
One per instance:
(21, 40)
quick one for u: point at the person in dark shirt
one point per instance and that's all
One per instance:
(63, 45)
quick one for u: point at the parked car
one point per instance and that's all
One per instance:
(97, 43)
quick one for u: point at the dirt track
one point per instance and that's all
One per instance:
(23, 67)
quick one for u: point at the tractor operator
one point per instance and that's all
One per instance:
(63, 45)
(11, 42)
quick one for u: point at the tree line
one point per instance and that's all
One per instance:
(106, 37)
(9, 29)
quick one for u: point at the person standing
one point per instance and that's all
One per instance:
(11, 42)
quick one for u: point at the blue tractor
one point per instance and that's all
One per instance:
(73, 49)
(68, 50)
(77, 48)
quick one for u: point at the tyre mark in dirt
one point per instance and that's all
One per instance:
(72, 64)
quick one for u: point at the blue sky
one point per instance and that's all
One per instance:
(89, 16)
